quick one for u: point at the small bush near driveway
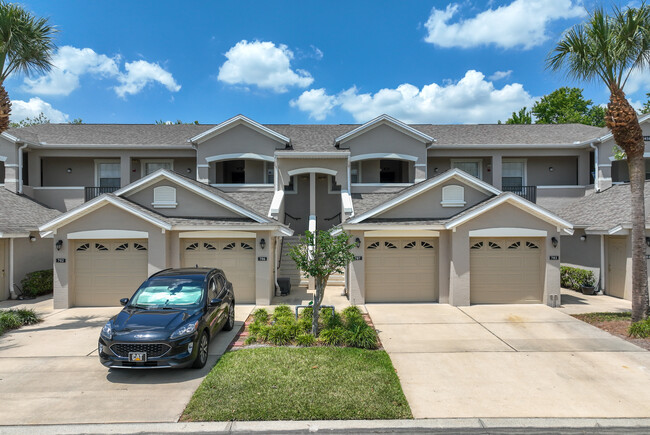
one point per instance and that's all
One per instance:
(281, 383)
(14, 319)
(573, 277)
(38, 283)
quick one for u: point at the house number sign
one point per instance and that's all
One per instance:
(60, 260)
(554, 257)
(358, 257)
(261, 258)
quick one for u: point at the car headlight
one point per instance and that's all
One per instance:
(185, 330)
(107, 330)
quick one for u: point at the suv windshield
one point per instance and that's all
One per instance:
(167, 291)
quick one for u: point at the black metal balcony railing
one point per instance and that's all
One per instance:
(526, 192)
(93, 192)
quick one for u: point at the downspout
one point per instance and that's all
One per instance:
(12, 291)
(603, 264)
(20, 171)
(596, 176)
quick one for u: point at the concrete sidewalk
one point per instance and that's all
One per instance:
(444, 425)
(574, 302)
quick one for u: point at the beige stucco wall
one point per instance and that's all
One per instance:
(581, 253)
(31, 256)
(60, 198)
(565, 171)
(189, 204)
(427, 204)
(55, 172)
(438, 165)
(297, 205)
(9, 153)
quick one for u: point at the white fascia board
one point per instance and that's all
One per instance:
(616, 230)
(508, 232)
(108, 234)
(402, 233)
(279, 229)
(425, 186)
(310, 170)
(312, 154)
(217, 234)
(235, 121)
(348, 207)
(116, 146)
(3, 158)
(385, 120)
(95, 204)
(13, 235)
(276, 203)
(517, 202)
(391, 227)
(9, 137)
(510, 146)
(569, 231)
(251, 156)
(165, 174)
(394, 156)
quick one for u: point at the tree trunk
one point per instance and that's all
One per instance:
(321, 282)
(5, 108)
(623, 122)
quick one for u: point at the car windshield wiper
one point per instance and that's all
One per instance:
(140, 307)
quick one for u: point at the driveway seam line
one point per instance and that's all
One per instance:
(483, 326)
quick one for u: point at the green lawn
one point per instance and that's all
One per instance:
(318, 383)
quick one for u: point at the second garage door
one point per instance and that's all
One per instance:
(506, 271)
(106, 271)
(236, 257)
(401, 270)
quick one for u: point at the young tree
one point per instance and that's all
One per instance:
(646, 106)
(607, 48)
(320, 255)
(36, 120)
(26, 45)
(521, 117)
(565, 106)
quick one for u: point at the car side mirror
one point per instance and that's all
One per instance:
(124, 301)
(216, 301)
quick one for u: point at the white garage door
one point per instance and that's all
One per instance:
(236, 257)
(401, 270)
(107, 270)
(506, 271)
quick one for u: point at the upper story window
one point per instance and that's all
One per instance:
(164, 197)
(291, 187)
(151, 166)
(393, 171)
(355, 172)
(513, 173)
(107, 173)
(453, 196)
(231, 172)
(333, 187)
(473, 167)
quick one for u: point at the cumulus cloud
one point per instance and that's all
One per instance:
(316, 102)
(471, 99)
(522, 23)
(141, 73)
(500, 75)
(263, 64)
(70, 63)
(639, 80)
(34, 107)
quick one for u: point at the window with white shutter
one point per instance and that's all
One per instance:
(164, 197)
(453, 196)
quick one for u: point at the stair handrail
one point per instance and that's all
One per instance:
(337, 215)
(280, 256)
(286, 215)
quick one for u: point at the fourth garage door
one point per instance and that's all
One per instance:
(236, 257)
(401, 270)
(506, 271)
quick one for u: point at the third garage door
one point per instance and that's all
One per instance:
(506, 271)
(236, 257)
(401, 270)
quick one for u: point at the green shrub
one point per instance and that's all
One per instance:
(307, 313)
(352, 310)
(330, 319)
(263, 333)
(261, 315)
(282, 311)
(362, 336)
(353, 317)
(9, 320)
(304, 325)
(305, 340)
(280, 334)
(27, 316)
(333, 337)
(38, 283)
(255, 327)
(574, 278)
(640, 329)
(250, 340)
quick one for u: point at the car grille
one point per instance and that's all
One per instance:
(152, 350)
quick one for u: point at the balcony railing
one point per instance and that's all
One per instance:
(93, 192)
(526, 192)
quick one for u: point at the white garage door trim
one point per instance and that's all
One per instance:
(508, 232)
(108, 234)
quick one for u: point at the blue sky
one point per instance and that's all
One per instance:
(300, 61)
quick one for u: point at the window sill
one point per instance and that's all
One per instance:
(453, 203)
(164, 204)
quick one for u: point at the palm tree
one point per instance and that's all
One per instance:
(607, 48)
(26, 45)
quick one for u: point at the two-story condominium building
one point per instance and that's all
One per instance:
(457, 214)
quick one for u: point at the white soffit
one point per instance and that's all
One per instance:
(508, 232)
(108, 234)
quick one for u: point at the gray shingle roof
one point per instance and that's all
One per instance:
(21, 214)
(604, 210)
(306, 137)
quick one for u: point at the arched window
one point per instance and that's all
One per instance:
(453, 196)
(164, 197)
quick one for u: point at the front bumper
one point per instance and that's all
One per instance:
(177, 356)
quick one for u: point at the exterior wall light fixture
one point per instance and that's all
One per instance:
(262, 243)
(583, 237)
(59, 245)
(554, 242)
(357, 242)
(69, 170)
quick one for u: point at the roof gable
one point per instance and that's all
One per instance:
(234, 122)
(384, 120)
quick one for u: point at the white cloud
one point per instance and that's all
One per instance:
(500, 75)
(70, 63)
(316, 102)
(140, 73)
(264, 65)
(522, 23)
(639, 80)
(32, 108)
(472, 99)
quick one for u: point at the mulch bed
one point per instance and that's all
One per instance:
(617, 328)
(242, 335)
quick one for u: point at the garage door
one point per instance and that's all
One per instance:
(506, 271)
(107, 270)
(401, 270)
(236, 257)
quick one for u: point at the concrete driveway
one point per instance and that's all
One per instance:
(510, 361)
(50, 374)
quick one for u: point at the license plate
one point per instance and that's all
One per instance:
(138, 356)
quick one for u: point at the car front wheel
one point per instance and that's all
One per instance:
(230, 323)
(202, 354)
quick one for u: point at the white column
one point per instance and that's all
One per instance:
(312, 193)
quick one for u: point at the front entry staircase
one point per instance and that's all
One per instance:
(288, 268)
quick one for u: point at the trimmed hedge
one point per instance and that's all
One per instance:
(574, 277)
(38, 283)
